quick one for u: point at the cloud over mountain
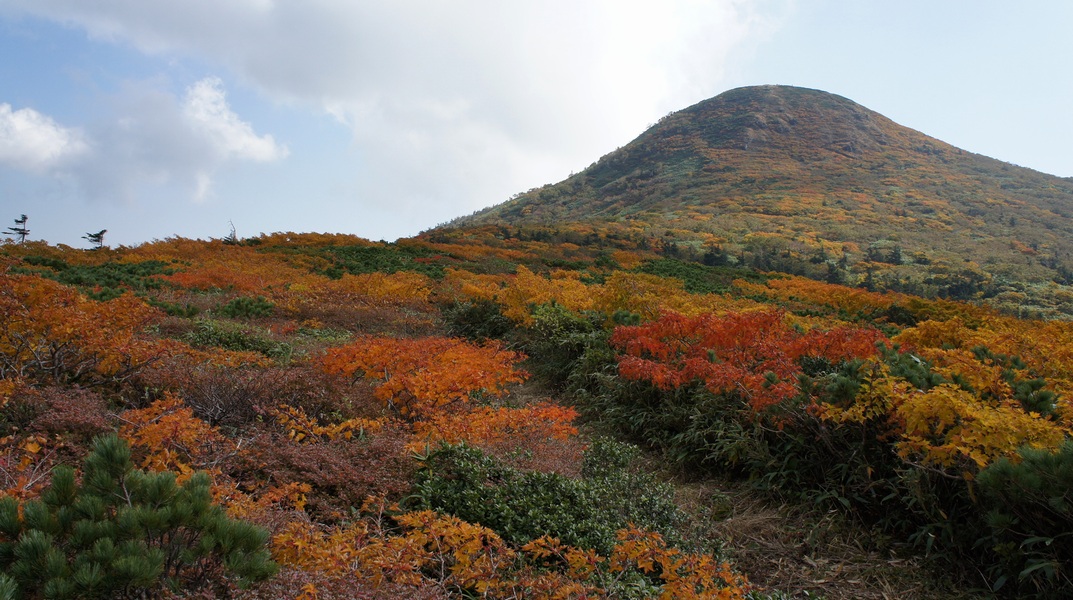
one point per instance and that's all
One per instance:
(436, 93)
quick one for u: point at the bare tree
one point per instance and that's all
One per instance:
(232, 238)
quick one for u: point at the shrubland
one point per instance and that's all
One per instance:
(501, 413)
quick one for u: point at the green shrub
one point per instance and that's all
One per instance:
(325, 334)
(103, 281)
(173, 309)
(123, 532)
(384, 258)
(234, 336)
(477, 320)
(522, 506)
(559, 341)
(699, 278)
(246, 308)
(1030, 516)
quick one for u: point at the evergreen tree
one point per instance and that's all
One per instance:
(835, 275)
(20, 230)
(97, 239)
(123, 533)
(715, 256)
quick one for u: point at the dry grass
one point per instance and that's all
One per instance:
(803, 554)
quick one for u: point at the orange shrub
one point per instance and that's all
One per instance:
(455, 555)
(301, 427)
(49, 331)
(840, 297)
(420, 375)
(172, 438)
(486, 426)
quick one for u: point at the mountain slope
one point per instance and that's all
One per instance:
(800, 173)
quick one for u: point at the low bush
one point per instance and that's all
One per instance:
(700, 278)
(246, 308)
(51, 334)
(124, 533)
(383, 258)
(226, 396)
(174, 309)
(73, 415)
(104, 281)
(477, 320)
(1030, 513)
(235, 397)
(561, 344)
(521, 506)
(237, 337)
(342, 472)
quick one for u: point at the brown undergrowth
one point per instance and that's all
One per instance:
(803, 553)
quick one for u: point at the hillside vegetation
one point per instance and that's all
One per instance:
(315, 416)
(810, 183)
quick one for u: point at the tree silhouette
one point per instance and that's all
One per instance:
(20, 229)
(232, 238)
(97, 239)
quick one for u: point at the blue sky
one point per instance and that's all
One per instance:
(382, 119)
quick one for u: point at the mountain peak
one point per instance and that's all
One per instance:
(800, 121)
(817, 173)
(773, 115)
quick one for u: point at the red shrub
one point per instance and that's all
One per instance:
(69, 417)
(342, 472)
(75, 414)
(235, 397)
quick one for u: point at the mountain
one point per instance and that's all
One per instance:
(800, 180)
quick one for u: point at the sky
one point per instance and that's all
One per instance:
(155, 119)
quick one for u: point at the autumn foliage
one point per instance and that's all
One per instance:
(757, 355)
(1003, 389)
(417, 376)
(949, 426)
(449, 554)
(51, 333)
(172, 437)
(310, 378)
(485, 426)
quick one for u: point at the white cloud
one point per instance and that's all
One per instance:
(32, 141)
(452, 105)
(205, 106)
(152, 145)
(594, 64)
